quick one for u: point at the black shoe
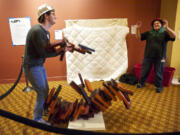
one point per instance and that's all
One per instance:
(139, 85)
(158, 89)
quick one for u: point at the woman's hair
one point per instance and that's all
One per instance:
(41, 19)
(157, 19)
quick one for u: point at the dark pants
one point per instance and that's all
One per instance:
(158, 70)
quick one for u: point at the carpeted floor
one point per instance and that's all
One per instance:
(150, 112)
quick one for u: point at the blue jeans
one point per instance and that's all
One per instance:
(158, 70)
(38, 78)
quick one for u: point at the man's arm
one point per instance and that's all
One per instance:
(169, 30)
(57, 45)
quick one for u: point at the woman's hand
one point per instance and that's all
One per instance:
(138, 24)
(165, 24)
(171, 32)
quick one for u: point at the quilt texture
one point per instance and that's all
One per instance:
(109, 59)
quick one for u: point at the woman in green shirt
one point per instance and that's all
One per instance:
(155, 50)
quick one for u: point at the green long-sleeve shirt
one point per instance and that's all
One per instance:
(35, 49)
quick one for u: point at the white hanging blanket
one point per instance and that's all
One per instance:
(109, 59)
(97, 22)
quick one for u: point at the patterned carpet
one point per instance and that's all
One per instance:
(150, 112)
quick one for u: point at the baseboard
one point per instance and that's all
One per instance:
(176, 80)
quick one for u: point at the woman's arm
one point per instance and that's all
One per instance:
(138, 32)
(169, 30)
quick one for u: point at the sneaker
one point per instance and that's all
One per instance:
(158, 89)
(139, 85)
(43, 121)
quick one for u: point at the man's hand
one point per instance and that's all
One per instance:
(65, 40)
(69, 47)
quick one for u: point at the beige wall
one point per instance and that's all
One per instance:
(170, 10)
(169, 15)
(175, 58)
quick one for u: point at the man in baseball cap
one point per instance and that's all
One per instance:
(37, 49)
(44, 9)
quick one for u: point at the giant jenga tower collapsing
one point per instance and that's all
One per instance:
(60, 110)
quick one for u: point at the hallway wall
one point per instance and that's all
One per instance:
(133, 10)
